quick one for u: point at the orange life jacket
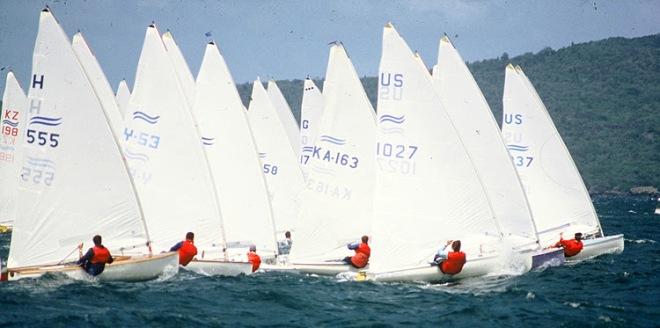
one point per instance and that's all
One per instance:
(454, 263)
(572, 247)
(361, 257)
(101, 255)
(187, 252)
(255, 260)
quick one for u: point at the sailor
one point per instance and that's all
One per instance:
(362, 253)
(186, 249)
(284, 247)
(450, 262)
(254, 258)
(571, 247)
(93, 262)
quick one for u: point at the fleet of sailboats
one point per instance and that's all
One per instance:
(182, 154)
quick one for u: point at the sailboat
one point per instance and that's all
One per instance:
(165, 155)
(280, 168)
(474, 121)
(285, 115)
(234, 162)
(69, 151)
(310, 115)
(427, 190)
(99, 82)
(14, 104)
(123, 96)
(557, 195)
(336, 203)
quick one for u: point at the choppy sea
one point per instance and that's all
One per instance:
(612, 290)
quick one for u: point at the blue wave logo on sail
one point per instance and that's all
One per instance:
(333, 140)
(138, 115)
(208, 141)
(10, 123)
(262, 155)
(41, 162)
(307, 149)
(44, 120)
(392, 119)
(517, 148)
(6, 148)
(136, 156)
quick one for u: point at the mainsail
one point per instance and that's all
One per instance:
(123, 96)
(14, 106)
(279, 163)
(99, 82)
(285, 115)
(336, 203)
(554, 188)
(232, 155)
(183, 73)
(74, 183)
(468, 109)
(165, 155)
(310, 116)
(426, 189)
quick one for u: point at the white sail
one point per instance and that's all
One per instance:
(232, 155)
(554, 188)
(310, 116)
(123, 96)
(474, 121)
(14, 105)
(285, 115)
(279, 163)
(181, 68)
(74, 183)
(165, 155)
(336, 203)
(99, 82)
(426, 189)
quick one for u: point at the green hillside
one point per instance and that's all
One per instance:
(604, 97)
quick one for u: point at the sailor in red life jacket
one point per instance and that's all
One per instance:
(362, 253)
(254, 258)
(93, 262)
(186, 249)
(571, 247)
(450, 262)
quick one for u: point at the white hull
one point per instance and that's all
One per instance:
(599, 246)
(133, 268)
(319, 268)
(472, 268)
(219, 267)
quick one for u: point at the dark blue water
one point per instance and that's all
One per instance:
(613, 290)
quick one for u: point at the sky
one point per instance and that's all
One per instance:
(289, 39)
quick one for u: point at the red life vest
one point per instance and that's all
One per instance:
(187, 252)
(572, 247)
(453, 264)
(255, 260)
(361, 257)
(101, 255)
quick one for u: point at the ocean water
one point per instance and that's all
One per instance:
(612, 290)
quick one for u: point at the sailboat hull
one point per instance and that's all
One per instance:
(219, 267)
(129, 268)
(472, 268)
(599, 246)
(326, 268)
